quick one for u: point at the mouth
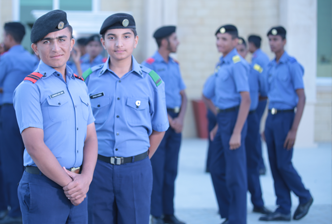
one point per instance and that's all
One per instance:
(57, 56)
(119, 51)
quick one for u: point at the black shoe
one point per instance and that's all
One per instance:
(3, 214)
(275, 216)
(11, 220)
(171, 219)
(263, 210)
(262, 171)
(225, 222)
(302, 210)
(156, 220)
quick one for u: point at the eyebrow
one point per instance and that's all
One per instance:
(112, 34)
(60, 37)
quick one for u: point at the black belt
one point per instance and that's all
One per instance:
(7, 104)
(252, 111)
(227, 110)
(174, 110)
(274, 111)
(35, 170)
(122, 160)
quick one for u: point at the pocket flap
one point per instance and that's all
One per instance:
(138, 103)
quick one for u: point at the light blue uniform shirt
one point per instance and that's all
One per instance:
(281, 82)
(14, 66)
(62, 109)
(127, 110)
(85, 63)
(231, 79)
(261, 59)
(171, 75)
(208, 88)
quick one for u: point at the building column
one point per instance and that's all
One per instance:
(299, 17)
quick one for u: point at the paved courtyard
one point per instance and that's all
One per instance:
(195, 200)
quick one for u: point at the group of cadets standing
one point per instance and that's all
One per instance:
(110, 129)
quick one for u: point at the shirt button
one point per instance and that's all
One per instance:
(117, 116)
(77, 151)
(59, 103)
(116, 149)
(119, 80)
(118, 98)
(117, 133)
(98, 105)
(58, 74)
(77, 128)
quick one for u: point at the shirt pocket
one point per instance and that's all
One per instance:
(58, 108)
(137, 111)
(85, 106)
(101, 108)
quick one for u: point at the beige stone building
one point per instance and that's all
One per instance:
(308, 23)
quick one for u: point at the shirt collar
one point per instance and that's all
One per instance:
(157, 57)
(229, 56)
(136, 68)
(283, 58)
(47, 70)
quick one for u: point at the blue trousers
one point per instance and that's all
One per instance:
(260, 111)
(212, 121)
(253, 160)
(286, 178)
(3, 203)
(228, 170)
(11, 158)
(165, 168)
(120, 194)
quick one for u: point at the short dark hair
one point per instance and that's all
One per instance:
(16, 30)
(71, 31)
(132, 29)
(158, 40)
(255, 40)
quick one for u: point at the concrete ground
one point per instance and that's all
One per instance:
(195, 201)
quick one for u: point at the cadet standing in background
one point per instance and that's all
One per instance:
(15, 64)
(128, 102)
(56, 122)
(261, 59)
(252, 151)
(285, 90)
(228, 164)
(165, 160)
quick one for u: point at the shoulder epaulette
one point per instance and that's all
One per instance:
(78, 77)
(150, 60)
(175, 61)
(90, 70)
(104, 60)
(236, 58)
(292, 60)
(33, 77)
(156, 78)
(258, 68)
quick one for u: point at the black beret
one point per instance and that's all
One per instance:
(50, 22)
(277, 30)
(94, 37)
(15, 27)
(118, 21)
(82, 41)
(242, 41)
(164, 31)
(254, 38)
(231, 29)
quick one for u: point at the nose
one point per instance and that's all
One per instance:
(55, 46)
(119, 43)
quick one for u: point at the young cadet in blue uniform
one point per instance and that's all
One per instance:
(261, 59)
(57, 125)
(165, 161)
(15, 64)
(128, 102)
(285, 90)
(252, 151)
(228, 165)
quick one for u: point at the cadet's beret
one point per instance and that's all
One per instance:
(82, 41)
(94, 37)
(242, 41)
(254, 38)
(164, 31)
(231, 29)
(277, 30)
(118, 21)
(50, 22)
(15, 27)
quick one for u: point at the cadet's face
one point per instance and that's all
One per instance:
(276, 43)
(242, 50)
(54, 49)
(173, 43)
(252, 48)
(119, 43)
(94, 48)
(225, 43)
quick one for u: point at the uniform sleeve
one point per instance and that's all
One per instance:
(159, 119)
(240, 75)
(209, 87)
(297, 73)
(27, 106)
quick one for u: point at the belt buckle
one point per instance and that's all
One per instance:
(116, 160)
(74, 169)
(273, 111)
(176, 109)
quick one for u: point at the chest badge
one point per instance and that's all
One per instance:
(57, 94)
(138, 103)
(96, 95)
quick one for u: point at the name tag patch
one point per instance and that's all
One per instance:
(161, 69)
(96, 95)
(57, 94)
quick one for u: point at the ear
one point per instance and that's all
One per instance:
(35, 49)
(164, 42)
(136, 41)
(103, 42)
(72, 43)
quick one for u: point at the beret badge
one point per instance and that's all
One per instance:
(274, 32)
(222, 30)
(61, 25)
(125, 22)
(240, 41)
